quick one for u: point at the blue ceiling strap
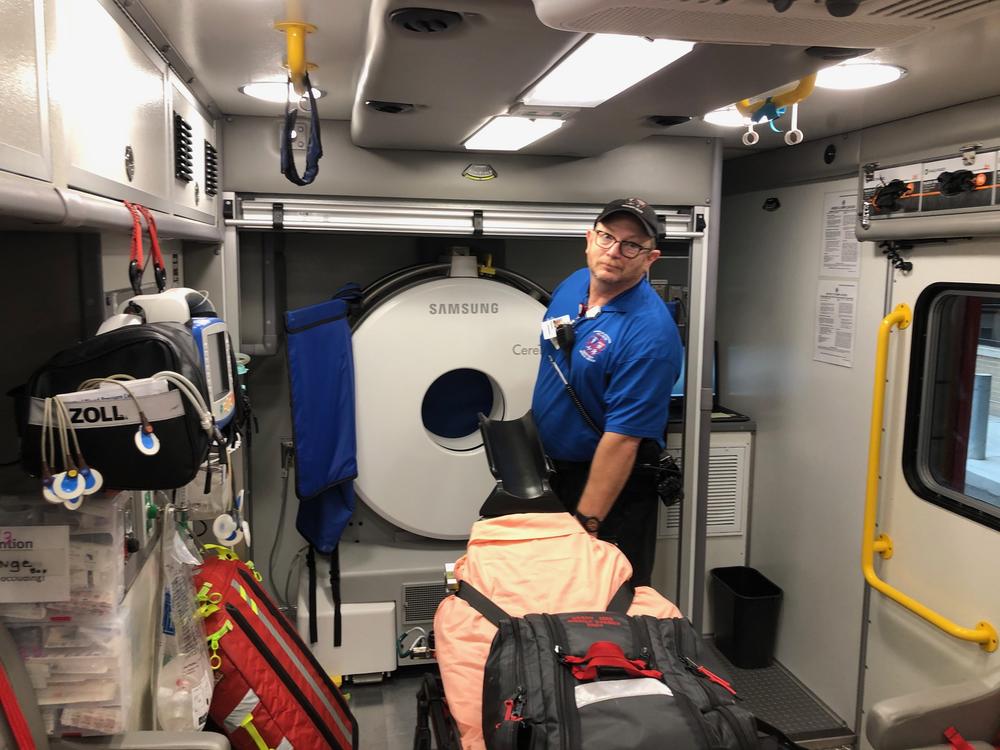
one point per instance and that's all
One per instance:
(315, 150)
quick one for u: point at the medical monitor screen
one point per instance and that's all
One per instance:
(215, 353)
(678, 391)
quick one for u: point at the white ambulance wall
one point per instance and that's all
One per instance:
(810, 453)
(813, 418)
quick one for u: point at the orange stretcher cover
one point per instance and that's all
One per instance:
(525, 563)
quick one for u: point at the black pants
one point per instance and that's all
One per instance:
(631, 524)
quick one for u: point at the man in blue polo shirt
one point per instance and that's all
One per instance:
(612, 340)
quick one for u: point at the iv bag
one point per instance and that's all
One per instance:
(184, 678)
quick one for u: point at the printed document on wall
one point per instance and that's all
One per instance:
(836, 321)
(34, 564)
(841, 249)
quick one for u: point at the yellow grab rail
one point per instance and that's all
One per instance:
(984, 633)
(295, 32)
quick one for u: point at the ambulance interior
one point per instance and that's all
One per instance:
(833, 267)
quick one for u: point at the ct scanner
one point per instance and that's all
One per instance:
(433, 346)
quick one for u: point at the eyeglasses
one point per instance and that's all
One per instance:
(627, 248)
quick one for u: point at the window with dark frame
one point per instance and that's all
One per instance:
(951, 450)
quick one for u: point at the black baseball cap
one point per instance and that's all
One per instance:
(635, 207)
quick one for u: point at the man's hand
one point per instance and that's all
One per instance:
(612, 464)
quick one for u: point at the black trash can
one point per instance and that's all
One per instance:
(745, 607)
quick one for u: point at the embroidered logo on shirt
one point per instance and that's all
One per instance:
(595, 345)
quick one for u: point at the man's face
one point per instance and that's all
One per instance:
(609, 265)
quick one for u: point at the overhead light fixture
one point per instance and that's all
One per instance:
(858, 75)
(510, 133)
(275, 92)
(730, 117)
(602, 67)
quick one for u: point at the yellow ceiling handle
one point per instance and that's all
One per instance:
(295, 32)
(803, 89)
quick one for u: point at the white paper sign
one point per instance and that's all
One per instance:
(841, 250)
(34, 564)
(836, 320)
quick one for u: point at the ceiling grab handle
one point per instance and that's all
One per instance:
(295, 32)
(984, 633)
(802, 89)
(773, 107)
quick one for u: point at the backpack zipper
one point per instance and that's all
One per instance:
(641, 637)
(289, 683)
(517, 702)
(562, 703)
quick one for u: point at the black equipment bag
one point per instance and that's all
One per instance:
(589, 680)
(106, 437)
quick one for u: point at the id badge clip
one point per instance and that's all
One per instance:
(549, 328)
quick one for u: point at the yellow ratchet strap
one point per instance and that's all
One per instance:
(247, 724)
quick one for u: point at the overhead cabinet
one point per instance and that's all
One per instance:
(127, 127)
(194, 157)
(23, 105)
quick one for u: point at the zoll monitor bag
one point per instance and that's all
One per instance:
(140, 433)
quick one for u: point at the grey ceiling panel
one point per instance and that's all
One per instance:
(457, 79)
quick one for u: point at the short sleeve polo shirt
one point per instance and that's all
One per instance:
(623, 365)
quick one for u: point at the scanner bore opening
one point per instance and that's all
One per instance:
(452, 404)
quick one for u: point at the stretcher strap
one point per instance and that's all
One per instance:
(335, 594)
(15, 717)
(311, 567)
(622, 599)
(619, 603)
(481, 603)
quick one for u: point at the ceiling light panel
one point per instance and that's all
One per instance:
(858, 75)
(510, 133)
(273, 91)
(603, 67)
(730, 117)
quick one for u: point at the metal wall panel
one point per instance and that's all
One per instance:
(110, 92)
(23, 102)
(190, 198)
(810, 451)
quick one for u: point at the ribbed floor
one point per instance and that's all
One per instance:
(775, 696)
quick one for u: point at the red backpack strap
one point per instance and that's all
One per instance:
(604, 656)
(15, 717)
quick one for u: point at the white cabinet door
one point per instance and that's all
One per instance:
(194, 195)
(941, 558)
(109, 91)
(24, 138)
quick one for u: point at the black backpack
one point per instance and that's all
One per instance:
(588, 680)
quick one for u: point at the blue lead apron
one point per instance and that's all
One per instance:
(321, 380)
